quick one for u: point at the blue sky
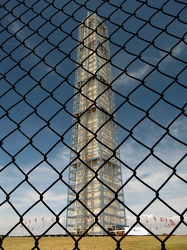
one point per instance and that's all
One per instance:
(46, 66)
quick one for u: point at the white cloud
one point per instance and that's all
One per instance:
(51, 196)
(148, 216)
(178, 49)
(63, 155)
(28, 197)
(179, 127)
(15, 27)
(138, 73)
(132, 153)
(176, 52)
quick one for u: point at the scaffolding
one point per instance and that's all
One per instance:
(94, 156)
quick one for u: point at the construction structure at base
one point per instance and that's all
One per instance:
(95, 196)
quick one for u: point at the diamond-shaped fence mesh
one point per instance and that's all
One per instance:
(40, 60)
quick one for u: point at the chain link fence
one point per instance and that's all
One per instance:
(39, 41)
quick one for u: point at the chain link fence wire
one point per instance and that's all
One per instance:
(39, 40)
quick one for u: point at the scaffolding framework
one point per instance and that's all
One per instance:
(95, 171)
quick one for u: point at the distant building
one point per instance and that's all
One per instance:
(122, 230)
(136, 231)
(94, 158)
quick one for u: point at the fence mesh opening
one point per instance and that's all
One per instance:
(40, 49)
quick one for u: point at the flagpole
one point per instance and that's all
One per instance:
(35, 226)
(43, 223)
(53, 226)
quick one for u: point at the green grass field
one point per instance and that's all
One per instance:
(96, 243)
